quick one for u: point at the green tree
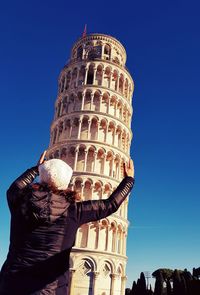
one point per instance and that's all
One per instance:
(159, 290)
(142, 286)
(169, 288)
(134, 289)
(166, 273)
(177, 283)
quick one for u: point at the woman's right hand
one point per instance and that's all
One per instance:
(129, 168)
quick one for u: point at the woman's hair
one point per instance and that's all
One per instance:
(70, 195)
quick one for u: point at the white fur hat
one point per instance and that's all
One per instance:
(55, 172)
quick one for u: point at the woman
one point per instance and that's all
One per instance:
(44, 220)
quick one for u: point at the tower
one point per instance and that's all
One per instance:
(91, 132)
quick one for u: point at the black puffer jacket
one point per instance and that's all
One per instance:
(43, 229)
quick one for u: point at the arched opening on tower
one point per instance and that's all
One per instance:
(111, 133)
(80, 53)
(60, 131)
(54, 135)
(94, 129)
(121, 83)
(119, 239)
(74, 77)
(90, 160)
(81, 158)
(82, 236)
(87, 101)
(63, 154)
(99, 168)
(71, 103)
(78, 186)
(96, 101)
(78, 101)
(71, 156)
(114, 80)
(85, 271)
(102, 130)
(93, 235)
(118, 136)
(87, 191)
(126, 88)
(81, 75)
(90, 75)
(67, 82)
(105, 102)
(75, 127)
(97, 192)
(84, 128)
(107, 51)
(105, 273)
(107, 77)
(67, 127)
(99, 75)
(102, 245)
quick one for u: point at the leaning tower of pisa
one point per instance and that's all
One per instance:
(91, 132)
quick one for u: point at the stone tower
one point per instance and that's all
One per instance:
(91, 132)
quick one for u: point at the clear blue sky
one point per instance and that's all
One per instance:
(163, 48)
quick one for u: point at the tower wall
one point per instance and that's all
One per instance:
(91, 132)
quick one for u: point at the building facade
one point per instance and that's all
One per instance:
(91, 131)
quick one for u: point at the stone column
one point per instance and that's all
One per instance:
(89, 129)
(86, 74)
(106, 132)
(114, 135)
(85, 159)
(72, 273)
(57, 134)
(117, 83)
(115, 108)
(65, 82)
(123, 285)
(104, 162)
(103, 78)
(125, 239)
(76, 157)
(113, 279)
(97, 135)
(108, 107)
(107, 237)
(97, 236)
(94, 77)
(95, 287)
(112, 164)
(77, 78)
(61, 107)
(125, 208)
(92, 101)
(79, 127)
(120, 140)
(119, 170)
(100, 102)
(70, 128)
(83, 101)
(95, 157)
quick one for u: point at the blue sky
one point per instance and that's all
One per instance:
(163, 45)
